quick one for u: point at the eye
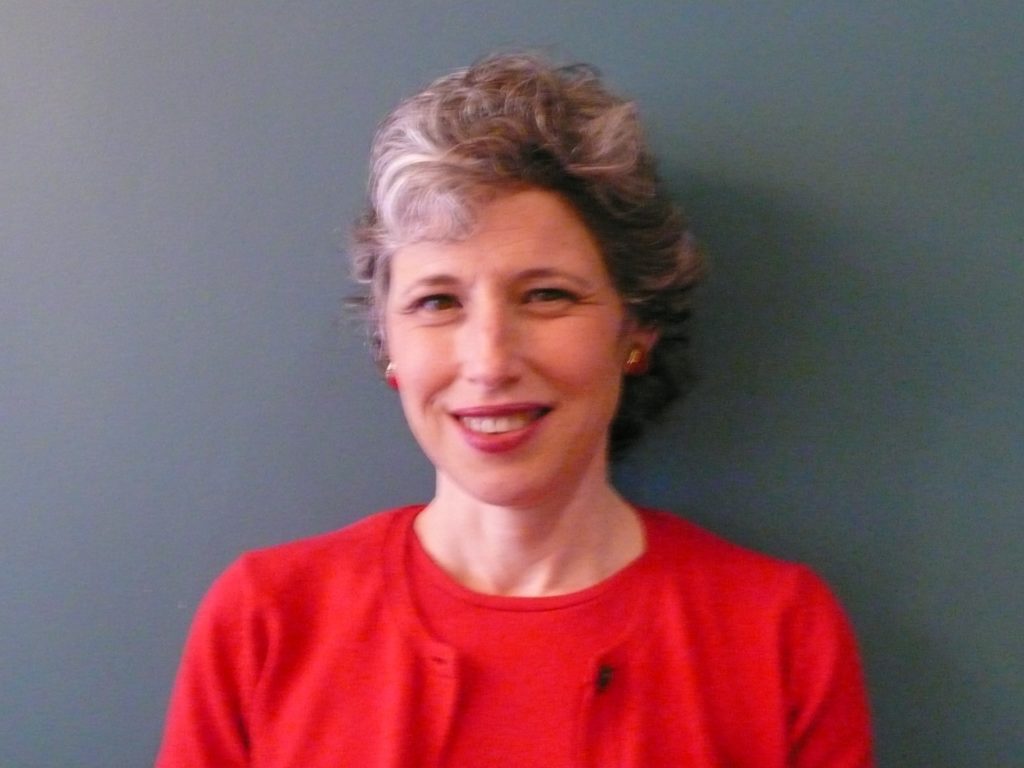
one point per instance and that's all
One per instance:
(550, 295)
(435, 302)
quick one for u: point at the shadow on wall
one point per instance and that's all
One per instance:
(823, 364)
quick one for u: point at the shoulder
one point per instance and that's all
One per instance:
(347, 563)
(740, 600)
(709, 568)
(347, 547)
(769, 636)
(685, 545)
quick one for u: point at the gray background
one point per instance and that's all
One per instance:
(178, 382)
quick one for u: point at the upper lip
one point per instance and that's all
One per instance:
(504, 409)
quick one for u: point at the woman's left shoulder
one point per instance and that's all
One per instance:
(701, 561)
(772, 641)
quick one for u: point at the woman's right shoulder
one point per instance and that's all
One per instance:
(350, 559)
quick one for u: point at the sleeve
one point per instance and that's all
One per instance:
(206, 719)
(828, 714)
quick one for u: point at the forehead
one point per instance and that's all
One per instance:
(524, 230)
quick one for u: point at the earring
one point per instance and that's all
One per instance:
(390, 376)
(637, 361)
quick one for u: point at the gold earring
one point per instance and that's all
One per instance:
(637, 361)
(390, 376)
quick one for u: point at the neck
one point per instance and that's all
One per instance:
(550, 548)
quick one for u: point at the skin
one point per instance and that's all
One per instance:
(509, 347)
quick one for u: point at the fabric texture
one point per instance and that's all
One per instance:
(317, 653)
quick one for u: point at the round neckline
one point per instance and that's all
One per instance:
(419, 561)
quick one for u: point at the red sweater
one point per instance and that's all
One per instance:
(316, 654)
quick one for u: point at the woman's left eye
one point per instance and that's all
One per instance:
(546, 295)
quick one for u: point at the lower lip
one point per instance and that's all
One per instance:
(500, 442)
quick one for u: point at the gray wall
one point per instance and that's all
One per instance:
(178, 383)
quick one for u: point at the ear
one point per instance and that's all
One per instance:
(643, 336)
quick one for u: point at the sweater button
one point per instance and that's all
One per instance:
(604, 677)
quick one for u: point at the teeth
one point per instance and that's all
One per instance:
(493, 425)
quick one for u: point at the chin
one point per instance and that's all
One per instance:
(502, 495)
(519, 489)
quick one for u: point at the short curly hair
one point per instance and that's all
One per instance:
(514, 121)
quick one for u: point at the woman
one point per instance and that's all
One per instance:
(528, 280)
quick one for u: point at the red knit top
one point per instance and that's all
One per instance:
(353, 649)
(525, 661)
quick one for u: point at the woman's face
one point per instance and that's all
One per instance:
(509, 348)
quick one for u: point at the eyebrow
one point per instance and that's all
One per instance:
(430, 281)
(545, 272)
(445, 280)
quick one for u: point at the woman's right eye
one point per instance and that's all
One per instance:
(435, 302)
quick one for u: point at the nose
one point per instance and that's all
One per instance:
(489, 343)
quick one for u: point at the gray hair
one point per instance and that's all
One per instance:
(515, 121)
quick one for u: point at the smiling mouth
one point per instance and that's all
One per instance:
(500, 424)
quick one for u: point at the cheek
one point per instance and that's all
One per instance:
(586, 364)
(396, 336)
(421, 362)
